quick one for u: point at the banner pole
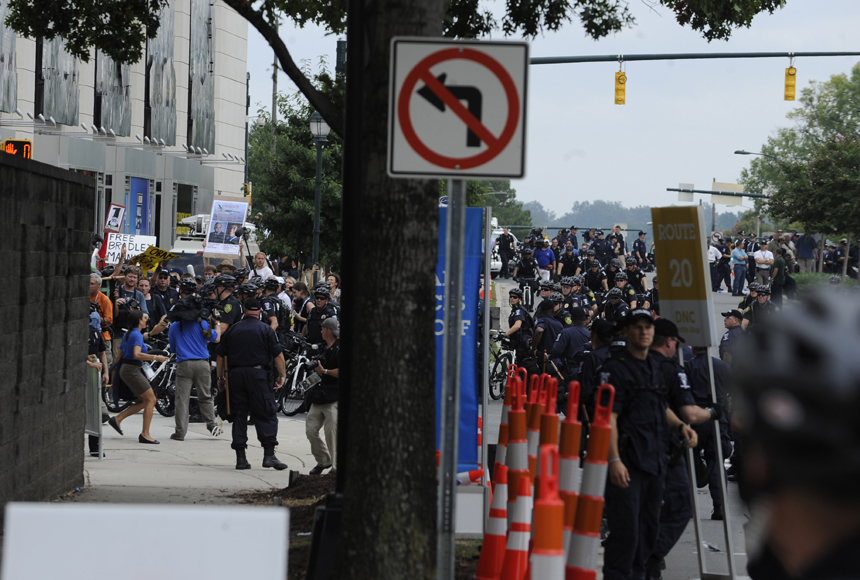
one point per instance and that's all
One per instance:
(485, 360)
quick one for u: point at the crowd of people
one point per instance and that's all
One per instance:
(597, 321)
(228, 330)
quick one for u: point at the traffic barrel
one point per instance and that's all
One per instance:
(570, 472)
(469, 477)
(585, 539)
(502, 447)
(518, 465)
(516, 560)
(547, 554)
(549, 419)
(493, 548)
(537, 398)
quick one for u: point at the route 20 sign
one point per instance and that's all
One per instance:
(457, 108)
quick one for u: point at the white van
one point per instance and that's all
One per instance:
(189, 247)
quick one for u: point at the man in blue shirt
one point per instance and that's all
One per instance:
(545, 259)
(188, 336)
(807, 250)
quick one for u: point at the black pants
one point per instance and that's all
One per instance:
(506, 258)
(676, 511)
(251, 392)
(633, 515)
(707, 444)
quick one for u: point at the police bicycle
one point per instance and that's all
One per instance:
(503, 358)
(528, 286)
(300, 365)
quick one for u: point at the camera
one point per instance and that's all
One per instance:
(133, 304)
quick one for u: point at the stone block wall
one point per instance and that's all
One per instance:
(46, 217)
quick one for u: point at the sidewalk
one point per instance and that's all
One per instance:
(200, 469)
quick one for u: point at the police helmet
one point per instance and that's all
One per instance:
(577, 280)
(567, 280)
(188, 286)
(800, 398)
(207, 289)
(568, 246)
(241, 273)
(836, 279)
(754, 287)
(556, 287)
(225, 281)
(621, 277)
(546, 285)
(271, 284)
(615, 293)
(516, 292)
(599, 232)
(630, 261)
(764, 289)
(556, 297)
(593, 264)
(615, 262)
(527, 251)
(247, 288)
(590, 253)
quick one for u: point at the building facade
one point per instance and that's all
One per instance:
(157, 135)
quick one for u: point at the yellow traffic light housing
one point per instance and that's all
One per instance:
(790, 83)
(620, 87)
(18, 148)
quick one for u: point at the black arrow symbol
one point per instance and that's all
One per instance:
(472, 96)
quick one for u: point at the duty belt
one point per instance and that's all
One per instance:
(261, 367)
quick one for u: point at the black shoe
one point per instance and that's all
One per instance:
(717, 514)
(269, 459)
(241, 460)
(732, 470)
(318, 469)
(732, 477)
(96, 453)
(142, 439)
(112, 423)
(105, 418)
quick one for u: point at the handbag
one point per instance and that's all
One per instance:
(119, 388)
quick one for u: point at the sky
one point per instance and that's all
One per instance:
(682, 121)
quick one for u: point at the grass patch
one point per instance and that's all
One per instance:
(494, 300)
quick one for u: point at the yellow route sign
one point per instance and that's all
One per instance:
(680, 254)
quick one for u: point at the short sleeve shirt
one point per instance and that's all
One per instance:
(132, 339)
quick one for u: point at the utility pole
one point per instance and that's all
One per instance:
(713, 211)
(275, 91)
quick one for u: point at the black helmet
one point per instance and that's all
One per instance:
(593, 264)
(247, 288)
(207, 289)
(599, 232)
(271, 284)
(590, 253)
(241, 273)
(568, 246)
(556, 297)
(546, 285)
(578, 280)
(224, 281)
(615, 262)
(754, 287)
(836, 279)
(800, 398)
(764, 289)
(556, 287)
(630, 261)
(188, 286)
(516, 292)
(615, 293)
(621, 277)
(567, 280)
(527, 251)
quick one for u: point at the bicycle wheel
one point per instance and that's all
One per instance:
(499, 376)
(163, 385)
(107, 396)
(294, 399)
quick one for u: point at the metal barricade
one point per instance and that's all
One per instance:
(93, 424)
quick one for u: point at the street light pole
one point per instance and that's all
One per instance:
(320, 130)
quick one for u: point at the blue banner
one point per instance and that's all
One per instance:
(469, 386)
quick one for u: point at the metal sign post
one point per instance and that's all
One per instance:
(686, 300)
(485, 359)
(449, 433)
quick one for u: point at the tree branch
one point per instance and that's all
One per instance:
(317, 99)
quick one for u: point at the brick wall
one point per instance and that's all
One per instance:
(45, 224)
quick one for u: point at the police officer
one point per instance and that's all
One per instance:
(652, 298)
(571, 339)
(506, 252)
(571, 237)
(640, 252)
(602, 249)
(169, 296)
(614, 308)
(595, 278)
(697, 371)
(627, 291)
(611, 271)
(600, 338)
(273, 307)
(321, 310)
(526, 270)
(759, 310)
(584, 296)
(636, 277)
(520, 328)
(568, 262)
(729, 343)
(547, 329)
(246, 350)
(637, 459)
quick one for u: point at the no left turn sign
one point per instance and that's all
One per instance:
(457, 108)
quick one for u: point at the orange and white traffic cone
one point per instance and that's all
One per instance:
(516, 559)
(549, 419)
(537, 398)
(469, 477)
(547, 555)
(570, 472)
(518, 465)
(493, 548)
(480, 441)
(502, 447)
(585, 539)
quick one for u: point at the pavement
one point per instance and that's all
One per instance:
(200, 469)
(682, 562)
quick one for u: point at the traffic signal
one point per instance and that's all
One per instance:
(18, 148)
(790, 83)
(620, 87)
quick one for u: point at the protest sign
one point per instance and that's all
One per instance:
(227, 216)
(152, 257)
(116, 213)
(134, 246)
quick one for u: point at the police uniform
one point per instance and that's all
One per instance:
(729, 342)
(633, 512)
(640, 252)
(250, 347)
(569, 263)
(564, 317)
(272, 306)
(697, 370)
(652, 297)
(756, 312)
(520, 339)
(629, 294)
(634, 278)
(594, 280)
(169, 297)
(610, 275)
(551, 329)
(567, 344)
(677, 507)
(315, 320)
(615, 313)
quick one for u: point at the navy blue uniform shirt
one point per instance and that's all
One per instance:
(249, 343)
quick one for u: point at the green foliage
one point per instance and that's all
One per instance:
(115, 27)
(284, 181)
(716, 19)
(811, 281)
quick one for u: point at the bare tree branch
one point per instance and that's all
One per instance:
(318, 100)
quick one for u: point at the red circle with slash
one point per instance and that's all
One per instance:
(421, 72)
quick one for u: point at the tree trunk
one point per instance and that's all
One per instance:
(390, 239)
